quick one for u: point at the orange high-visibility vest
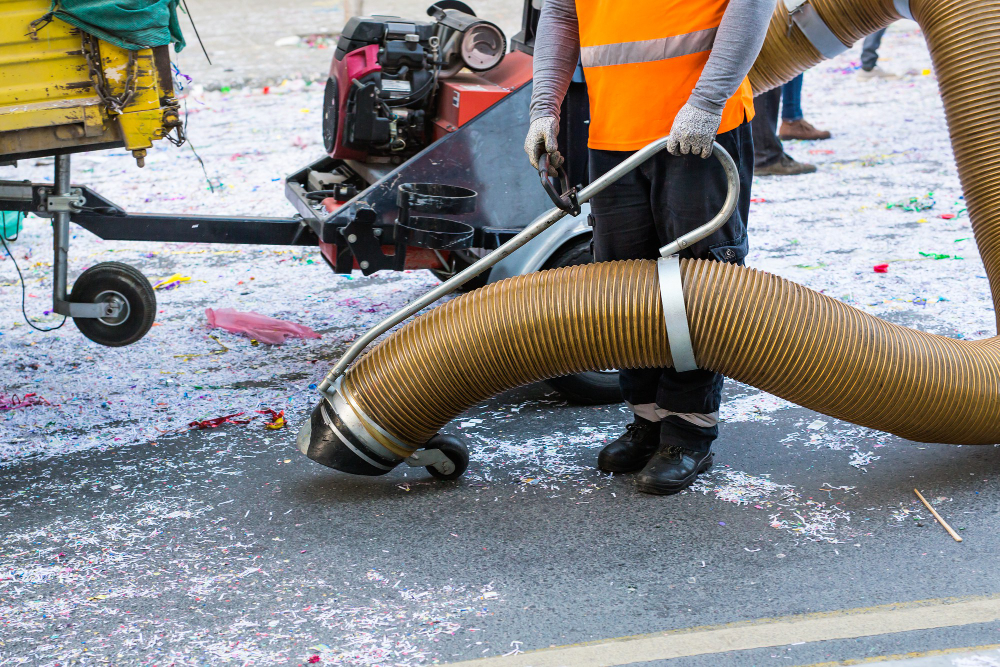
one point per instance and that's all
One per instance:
(641, 60)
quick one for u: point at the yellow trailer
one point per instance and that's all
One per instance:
(63, 90)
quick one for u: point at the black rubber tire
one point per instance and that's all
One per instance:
(128, 282)
(590, 387)
(454, 449)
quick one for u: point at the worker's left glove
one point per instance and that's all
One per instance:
(693, 132)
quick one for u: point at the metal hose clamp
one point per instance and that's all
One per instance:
(815, 29)
(668, 270)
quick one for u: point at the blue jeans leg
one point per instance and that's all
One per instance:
(791, 100)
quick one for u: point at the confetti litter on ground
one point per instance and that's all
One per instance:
(755, 407)
(101, 571)
(789, 511)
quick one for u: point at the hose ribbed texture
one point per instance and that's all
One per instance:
(509, 333)
(752, 326)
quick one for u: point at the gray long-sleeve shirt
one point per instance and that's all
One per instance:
(737, 42)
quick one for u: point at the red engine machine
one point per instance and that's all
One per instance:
(422, 125)
(395, 86)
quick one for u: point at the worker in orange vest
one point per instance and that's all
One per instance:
(653, 68)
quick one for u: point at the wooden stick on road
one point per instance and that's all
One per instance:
(944, 524)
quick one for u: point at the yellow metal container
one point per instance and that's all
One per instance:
(63, 91)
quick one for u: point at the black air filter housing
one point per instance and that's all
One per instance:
(361, 31)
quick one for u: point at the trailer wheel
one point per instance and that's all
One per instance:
(114, 282)
(589, 387)
(455, 450)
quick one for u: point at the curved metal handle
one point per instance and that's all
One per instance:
(728, 206)
(567, 201)
(537, 226)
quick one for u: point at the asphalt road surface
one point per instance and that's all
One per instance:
(568, 560)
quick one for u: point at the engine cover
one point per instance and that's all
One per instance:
(384, 80)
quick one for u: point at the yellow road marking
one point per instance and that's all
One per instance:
(761, 633)
(905, 656)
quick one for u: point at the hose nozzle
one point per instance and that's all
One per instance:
(336, 436)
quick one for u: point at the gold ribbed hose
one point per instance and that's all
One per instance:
(752, 326)
(749, 325)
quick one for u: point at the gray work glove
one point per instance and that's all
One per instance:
(542, 139)
(693, 131)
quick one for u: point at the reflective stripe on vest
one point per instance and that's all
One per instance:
(649, 50)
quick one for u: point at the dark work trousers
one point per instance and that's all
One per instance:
(663, 198)
(767, 146)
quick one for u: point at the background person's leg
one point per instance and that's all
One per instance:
(869, 50)
(767, 146)
(793, 123)
(791, 100)
(770, 158)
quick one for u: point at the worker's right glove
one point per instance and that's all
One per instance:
(693, 131)
(542, 139)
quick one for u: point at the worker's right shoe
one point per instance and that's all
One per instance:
(784, 166)
(633, 449)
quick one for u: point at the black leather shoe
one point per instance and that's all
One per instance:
(633, 449)
(672, 469)
(685, 451)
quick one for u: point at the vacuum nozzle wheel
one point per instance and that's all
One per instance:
(457, 453)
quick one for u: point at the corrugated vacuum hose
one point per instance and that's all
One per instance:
(749, 325)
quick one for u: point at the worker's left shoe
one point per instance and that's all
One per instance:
(633, 449)
(685, 452)
(801, 129)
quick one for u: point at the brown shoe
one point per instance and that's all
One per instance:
(784, 166)
(801, 129)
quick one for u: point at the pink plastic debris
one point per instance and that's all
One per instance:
(260, 327)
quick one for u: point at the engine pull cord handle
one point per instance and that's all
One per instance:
(537, 226)
(558, 188)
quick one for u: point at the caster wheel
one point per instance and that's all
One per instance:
(455, 450)
(114, 282)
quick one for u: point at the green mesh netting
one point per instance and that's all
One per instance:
(130, 24)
